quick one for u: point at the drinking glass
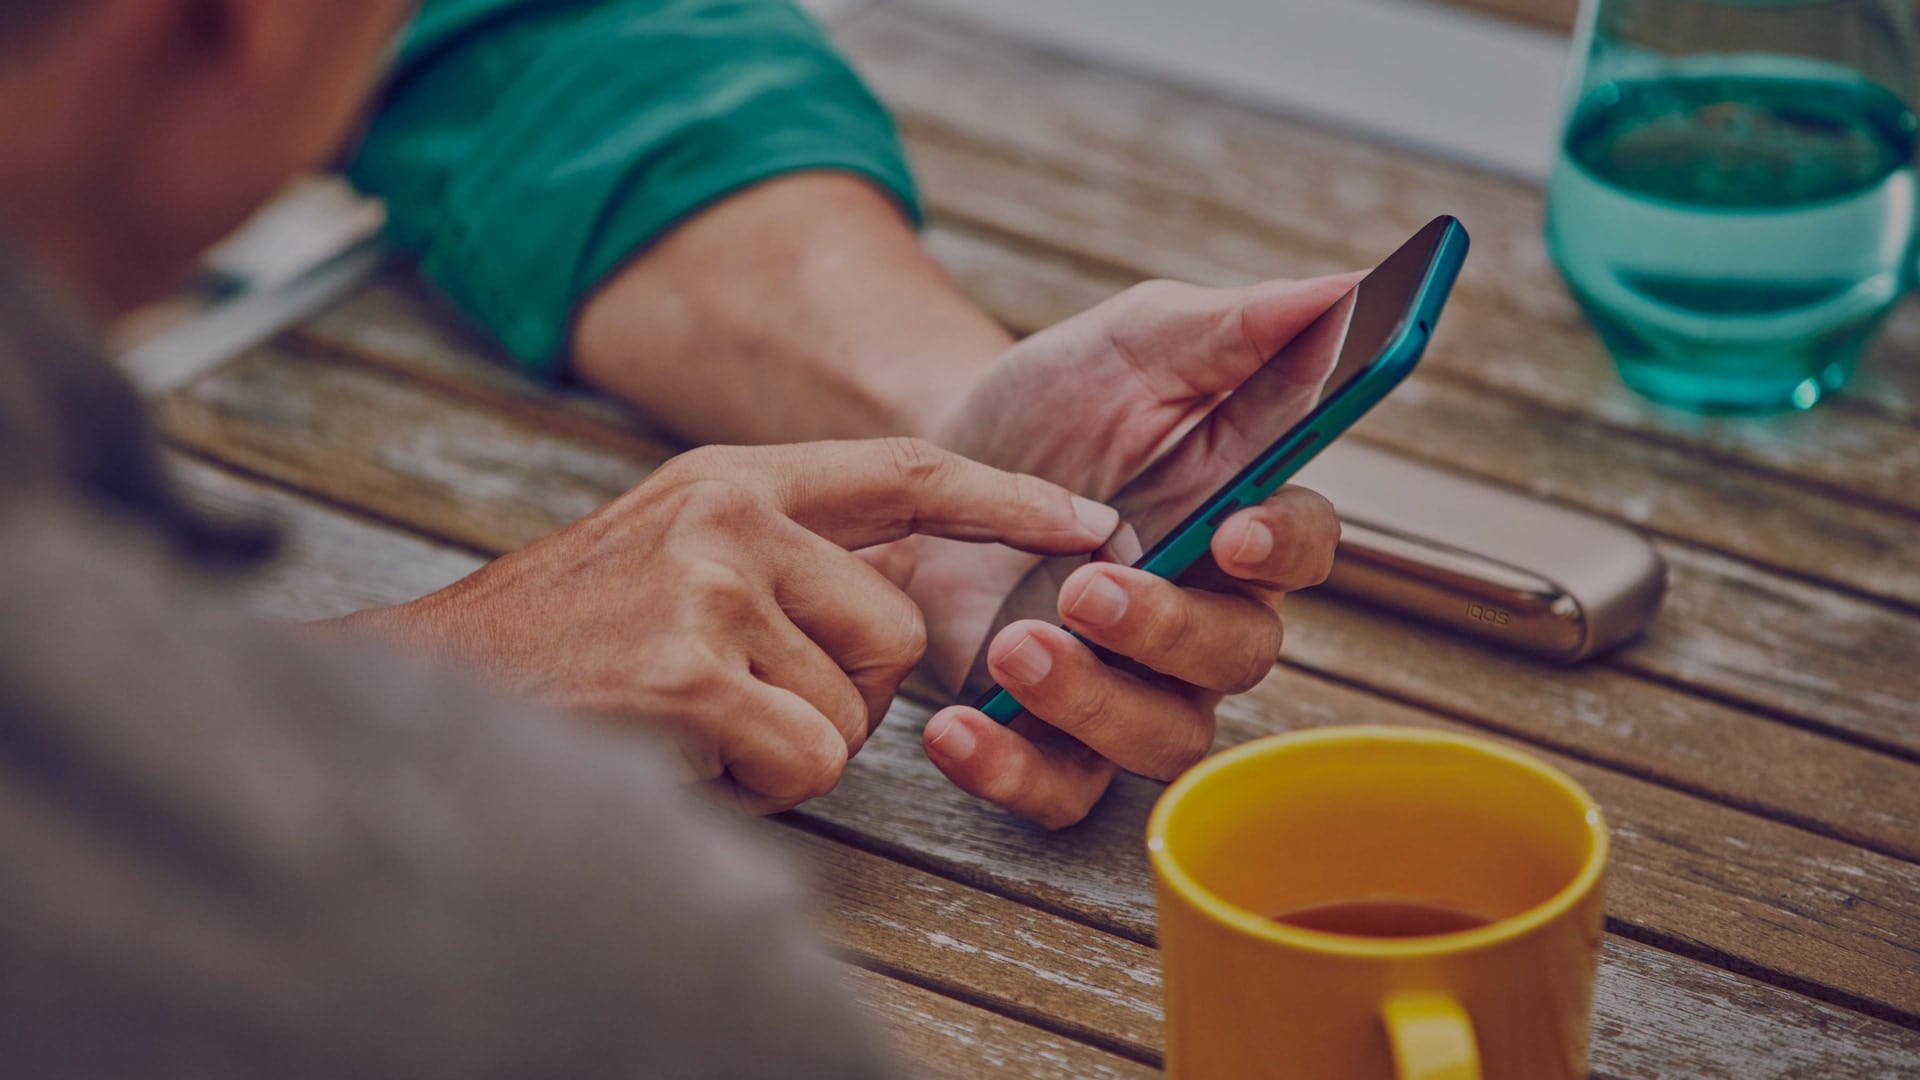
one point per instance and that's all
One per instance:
(1733, 203)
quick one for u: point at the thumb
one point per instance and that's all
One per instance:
(1277, 312)
(1188, 341)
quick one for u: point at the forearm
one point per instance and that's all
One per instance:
(801, 308)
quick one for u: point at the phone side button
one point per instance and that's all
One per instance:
(1267, 473)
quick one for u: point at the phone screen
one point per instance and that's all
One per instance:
(1310, 372)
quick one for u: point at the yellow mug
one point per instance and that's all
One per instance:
(1443, 903)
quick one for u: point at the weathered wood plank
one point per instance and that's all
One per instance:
(1324, 187)
(1551, 454)
(1561, 367)
(362, 438)
(1847, 675)
(334, 563)
(1651, 486)
(1656, 1015)
(1738, 890)
(493, 483)
(1720, 1026)
(1632, 724)
(944, 1038)
(330, 563)
(1167, 182)
(398, 322)
(1886, 375)
(963, 942)
(1835, 662)
(1552, 14)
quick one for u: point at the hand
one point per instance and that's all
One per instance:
(720, 599)
(1090, 404)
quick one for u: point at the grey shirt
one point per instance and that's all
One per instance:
(229, 852)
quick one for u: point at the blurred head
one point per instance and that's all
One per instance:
(134, 133)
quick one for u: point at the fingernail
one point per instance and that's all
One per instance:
(1097, 519)
(1124, 548)
(1028, 663)
(1101, 603)
(953, 742)
(1255, 545)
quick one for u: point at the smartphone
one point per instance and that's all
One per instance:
(1260, 435)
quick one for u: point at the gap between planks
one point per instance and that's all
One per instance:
(957, 1040)
(337, 562)
(1090, 985)
(441, 491)
(1104, 131)
(1688, 872)
(1054, 283)
(1877, 478)
(396, 329)
(1776, 840)
(981, 264)
(385, 553)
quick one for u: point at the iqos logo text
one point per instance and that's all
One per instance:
(1492, 616)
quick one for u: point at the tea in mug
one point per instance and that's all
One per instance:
(1384, 918)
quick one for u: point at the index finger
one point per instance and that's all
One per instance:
(858, 494)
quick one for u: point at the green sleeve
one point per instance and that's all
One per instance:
(527, 148)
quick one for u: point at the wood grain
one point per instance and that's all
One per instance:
(1601, 714)
(1561, 368)
(944, 1038)
(1847, 677)
(481, 479)
(1737, 750)
(1848, 674)
(330, 563)
(1165, 182)
(399, 323)
(334, 563)
(963, 942)
(1650, 1010)
(378, 443)
(1728, 629)
(1574, 460)
(1654, 487)
(1650, 1006)
(1750, 894)
(477, 480)
(1552, 14)
(1883, 374)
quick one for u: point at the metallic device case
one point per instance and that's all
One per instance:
(1512, 570)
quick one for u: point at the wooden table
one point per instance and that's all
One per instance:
(1758, 752)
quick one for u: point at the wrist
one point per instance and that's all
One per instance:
(399, 624)
(430, 627)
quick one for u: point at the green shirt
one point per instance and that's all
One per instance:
(528, 148)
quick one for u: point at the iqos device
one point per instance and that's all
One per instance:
(1528, 575)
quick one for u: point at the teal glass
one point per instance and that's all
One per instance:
(1733, 202)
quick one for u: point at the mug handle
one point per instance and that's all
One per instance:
(1432, 1037)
